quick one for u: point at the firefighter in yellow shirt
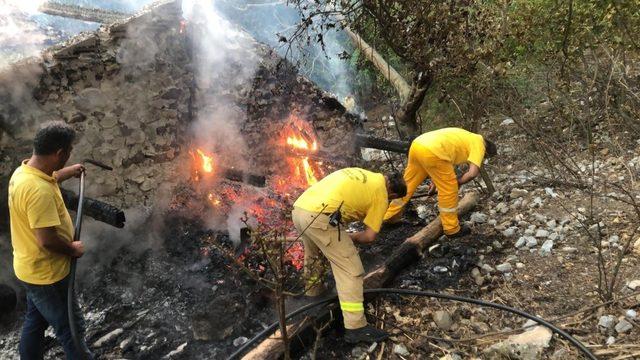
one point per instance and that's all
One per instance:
(42, 240)
(434, 155)
(344, 196)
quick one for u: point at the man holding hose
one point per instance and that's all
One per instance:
(42, 239)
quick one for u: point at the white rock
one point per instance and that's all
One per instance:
(487, 268)
(443, 320)
(510, 232)
(502, 208)
(521, 242)
(422, 211)
(631, 314)
(545, 249)
(550, 192)
(607, 322)
(519, 265)
(614, 239)
(400, 349)
(569, 250)
(542, 233)
(525, 346)
(507, 121)
(611, 340)
(516, 193)
(478, 218)
(504, 267)
(531, 241)
(239, 341)
(623, 326)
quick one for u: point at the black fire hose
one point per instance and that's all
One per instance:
(307, 307)
(80, 344)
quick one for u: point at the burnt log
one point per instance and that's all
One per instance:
(95, 209)
(373, 142)
(409, 252)
(241, 176)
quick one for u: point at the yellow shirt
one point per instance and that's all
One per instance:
(364, 194)
(454, 145)
(35, 202)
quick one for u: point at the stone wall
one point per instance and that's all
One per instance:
(130, 90)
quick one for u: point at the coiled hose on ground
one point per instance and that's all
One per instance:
(588, 354)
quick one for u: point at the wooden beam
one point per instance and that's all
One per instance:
(82, 13)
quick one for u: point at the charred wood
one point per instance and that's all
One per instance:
(95, 209)
(241, 176)
(368, 141)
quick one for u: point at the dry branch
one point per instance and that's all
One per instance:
(409, 252)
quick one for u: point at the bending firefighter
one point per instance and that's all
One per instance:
(42, 240)
(347, 195)
(434, 155)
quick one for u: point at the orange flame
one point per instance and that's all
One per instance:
(298, 139)
(207, 161)
(298, 142)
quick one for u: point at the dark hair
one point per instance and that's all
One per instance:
(397, 184)
(53, 136)
(490, 148)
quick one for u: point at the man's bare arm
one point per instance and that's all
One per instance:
(364, 237)
(49, 239)
(471, 174)
(69, 172)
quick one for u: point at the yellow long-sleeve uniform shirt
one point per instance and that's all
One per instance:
(35, 202)
(433, 155)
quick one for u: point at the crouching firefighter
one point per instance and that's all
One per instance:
(319, 214)
(434, 155)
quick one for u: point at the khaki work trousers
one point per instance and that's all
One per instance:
(320, 237)
(422, 164)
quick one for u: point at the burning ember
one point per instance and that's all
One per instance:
(202, 163)
(268, 209)
(301, 143)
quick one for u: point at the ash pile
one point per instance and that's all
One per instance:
(201, 124)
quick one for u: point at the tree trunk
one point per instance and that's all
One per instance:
(394, 77)
(409, 252)
(406, 117)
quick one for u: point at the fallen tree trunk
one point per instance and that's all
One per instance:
(368, 141)
(409, 252)
(411, 249)
(95, 209)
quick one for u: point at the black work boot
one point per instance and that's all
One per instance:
(367, 334)
(464, 230)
